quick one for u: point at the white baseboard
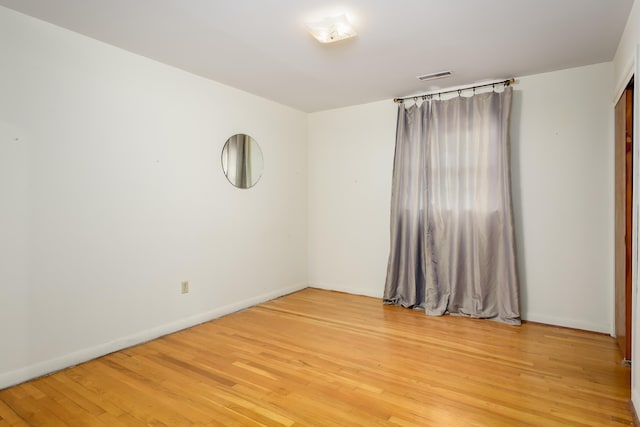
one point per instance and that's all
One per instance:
(26, 373)
(354, 291)
(549, 320)
(567, 323)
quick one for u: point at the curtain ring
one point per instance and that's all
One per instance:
(459, 92)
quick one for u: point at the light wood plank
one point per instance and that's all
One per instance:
(326, 358)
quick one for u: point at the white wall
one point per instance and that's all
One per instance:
(562, 154)
(350, 162)
(112, 193)
(625, 57)
(626, 65)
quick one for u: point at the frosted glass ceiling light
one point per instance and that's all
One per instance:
(329, 30)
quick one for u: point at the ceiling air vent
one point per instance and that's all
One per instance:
(434, 76)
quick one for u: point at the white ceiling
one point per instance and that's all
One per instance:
(261, 46)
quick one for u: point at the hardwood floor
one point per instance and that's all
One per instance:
(319, 358)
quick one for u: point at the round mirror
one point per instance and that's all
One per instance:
(242, 161)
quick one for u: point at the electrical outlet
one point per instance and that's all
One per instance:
(185, 287)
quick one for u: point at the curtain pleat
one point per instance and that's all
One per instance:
(452, 245)
(406, 269)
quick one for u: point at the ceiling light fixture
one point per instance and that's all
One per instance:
(332, 29)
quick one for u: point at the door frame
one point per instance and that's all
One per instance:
(624, 172)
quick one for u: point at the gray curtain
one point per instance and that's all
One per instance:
(452, 238)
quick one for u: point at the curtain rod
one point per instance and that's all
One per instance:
(474, 87)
